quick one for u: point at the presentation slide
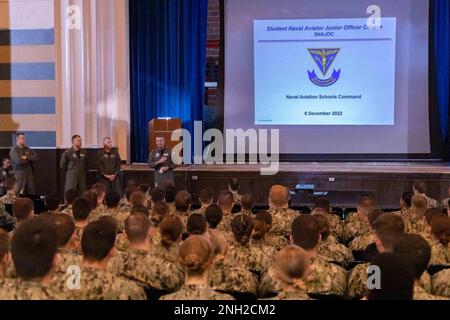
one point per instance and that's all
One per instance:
(324, 72)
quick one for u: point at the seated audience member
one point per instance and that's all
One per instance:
(405, 204)
(196, 225)
(430, 214)
(91, 197)
(7, 220)
(441, 283)
(6, 171)
(440, 239)
(23, 209)
(291, 265)
(196, 255)
(331, 251)
(67, 250)
(241, 253)
(5, 259)
(213, 216)
(122, 243)
(262, 222)
(233, 187)
(206, 198)
(100, 190)
(96, 283)
(225, 201)
(52, 203)
(170, 228)
(81, 211)
(362, 242)
(158, 194)
(247, 203)
(419, 188)
(138, 265)
(125, 205)
(444, 203)
(323, 277)
(282, 215)
(139, 198)
(11, 191)
(396, 278)
(70, 197)
(34, 253)
(417, 252)
(357, 223)
(183, 205)
(145, 189)
(171, 192)
(112, 200)
(414, 222)
(335, 221)
(159, 211)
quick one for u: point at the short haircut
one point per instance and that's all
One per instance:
(324, 225)
(129, 191)
(373, 215)
(279, 195)
(4, 244)
(263, 216)
(291, 263)
(305, 232)
(440, 228)
(416, 250)
(397, 278)
(159, 211)
(420, 186)
(196, 224)
(158, 194)
(140, 209)
(225, 199)
(22, 208)
(71, 195)
(4, 158)
(10, 183)
(92, 198)
(52, 202)
(33, 247)
(242, 228)
(182, 201)
(406, 197)
(171, 192)
(144, 187)
(323, 203)
(419, 201)
(112, 199)
(388, 228)
(137, 227)
(431, 213)
(99, 188)
(170, 229)
(196, 254)
(247, 202)
(75, 136)
(98, 239)
(81, 209)
(366, 201)
(234, 184)
(213, 215)
(137, 197)
(18, 134)
(65, 228)
(206, 196)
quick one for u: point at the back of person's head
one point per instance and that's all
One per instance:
(323, 223)
(279, 196)
(366, 203)
(225, 200)
(71, 195)
(388, 228)
(98, 240)
(137, 227)
(144, 187)
(159, 211)
(91, 197)
(81, 209)
(171, 192)
(206, 196)
(247, 202)
(138, 198)
(129, 191)
(52, 202)
(100, 189)
(10, 184)
(242, 228)
(131, 183)
(182, 201)
(291, 264)
(140, 209)
(65, 228)
(431, 213)
(196, 255)
(112, 200)
(323, 203)
(419, 187)
(305, 232)
(440, 228)
(262, 222)
(213, 215)
(158, 194)
(234, 184)
(373, 215)
(196, 224)
(396, 278)
(419, 202)
(4, 244)
(33, 248)
(407, 197)
(170, 228)
(23, 208)
(416, 250)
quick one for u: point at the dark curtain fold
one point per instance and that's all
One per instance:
(168, 62)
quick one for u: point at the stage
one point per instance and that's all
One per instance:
(385, 180)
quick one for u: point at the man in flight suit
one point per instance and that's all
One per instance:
(23, 158)
(108, 167)
(73, 166)
(160, 159)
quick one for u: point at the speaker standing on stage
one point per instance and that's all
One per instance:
(160, 159)
(73, 166)
(22, 158)
(108, 166)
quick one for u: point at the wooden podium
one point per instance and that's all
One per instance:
(162, 128)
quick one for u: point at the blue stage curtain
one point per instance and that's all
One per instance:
(442, 57)
(168, 62)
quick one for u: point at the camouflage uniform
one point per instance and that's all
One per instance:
(172, 208)
(355, 227)
(198, 211)
(225, 224)
(415, 225)
(322, 278)
(335, 252)
(195, 292)
(119, 216)
(248, 213)
(440, 255)
(97, 284)
(236, 197)
(68, 258)
(441, 283)
(78, 235)
(282, 220)
(68, 211)
(171, 254)
(256, 259)
(300, 293)
(335, 225)
(122, 243)
(146, 270)
(421, 294)
(227, 278)
(9, 198)
(362, 242)
(270, 240)
(97, 213)
(29, 290)
(5, 217)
